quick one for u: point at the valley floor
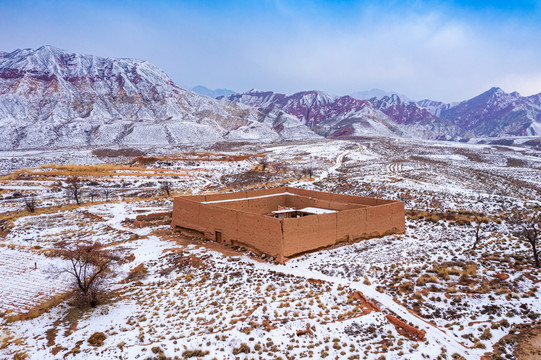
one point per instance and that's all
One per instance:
(175, 296)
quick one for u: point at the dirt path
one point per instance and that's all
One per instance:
(433, 334)
(337, 163)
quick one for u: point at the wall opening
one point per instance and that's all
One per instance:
(218, 236)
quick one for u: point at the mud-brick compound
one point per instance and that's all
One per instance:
(284, 222)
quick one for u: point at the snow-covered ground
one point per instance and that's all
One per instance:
(197, 299)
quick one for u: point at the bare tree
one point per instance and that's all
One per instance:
(478, 227)
(89, 265)
(30, 203)
(106, 193)
(528, 229)
(166, 187)
(93, 193)
(73, 189)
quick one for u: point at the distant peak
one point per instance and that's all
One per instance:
(214, 93)
(496, 90)
(378, 94)
(50, 49)
(47, 47)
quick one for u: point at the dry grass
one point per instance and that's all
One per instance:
(52, 171)
(39, 309)
(12, 216)
(461, 217)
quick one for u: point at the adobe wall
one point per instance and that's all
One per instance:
(339, 197)
(308, 233)
(370, 222)
(299, 202)
(242, 222)
(239, 194)
(313, 232)
(262, 233)
(260, 206)
(386, 219)
(266, 205)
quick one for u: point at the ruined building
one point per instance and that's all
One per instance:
(284, 222)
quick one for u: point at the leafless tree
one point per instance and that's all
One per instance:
(528, 228)
(479, 221)
(106, 193)
(166, 187)
(93, 193)
(73, 189)
(89, 265)
(30, 203)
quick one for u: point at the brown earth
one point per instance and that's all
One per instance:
(529, 344)
(525, 340)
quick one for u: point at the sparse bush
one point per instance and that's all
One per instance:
(194, 353)
(97, 339)
(30, 203)
(20, 355)
(528, 229)
(166, 187)
(486, 335)
(138, 272)
(243, 348)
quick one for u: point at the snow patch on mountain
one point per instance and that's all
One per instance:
(50, 98)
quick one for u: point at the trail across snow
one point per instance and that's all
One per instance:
(433, 334)
(337, 164)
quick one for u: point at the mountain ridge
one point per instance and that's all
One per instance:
(52, 98)
(493, 113)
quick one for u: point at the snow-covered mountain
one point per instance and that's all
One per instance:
(491, 114)
(375, 93)
(216, 93)
(326, 115)
(345, 116)
(53, 98)
(497, 113)
(50, 98)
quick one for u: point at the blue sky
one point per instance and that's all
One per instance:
(442, 50)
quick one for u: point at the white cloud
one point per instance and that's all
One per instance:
(422, 51)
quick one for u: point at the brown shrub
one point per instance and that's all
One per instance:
(97, 339)
(243, 348)
(137, 272)
(194, 353)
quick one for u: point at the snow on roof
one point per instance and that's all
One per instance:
(284, 211)
(315, 210)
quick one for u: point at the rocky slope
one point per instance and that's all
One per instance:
(51, 98)
(326, 115)
(491, 114)
(346, 116)
(497, 113)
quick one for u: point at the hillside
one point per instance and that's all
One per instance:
(52, 98)
(494, 113)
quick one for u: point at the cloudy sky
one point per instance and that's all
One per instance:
(443, 50)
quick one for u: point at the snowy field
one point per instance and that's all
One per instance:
(179, 297)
